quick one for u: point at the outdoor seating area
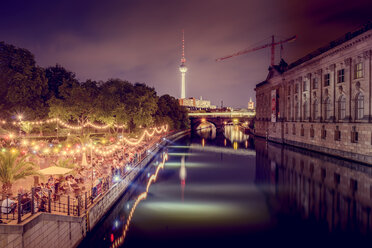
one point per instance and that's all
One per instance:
(71, 190)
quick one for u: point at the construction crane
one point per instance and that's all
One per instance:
(272, 45)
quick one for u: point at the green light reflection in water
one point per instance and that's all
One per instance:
(187, 164)
(177, 154)
(179, 147)
(203, 214)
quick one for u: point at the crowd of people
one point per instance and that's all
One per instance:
(80, 180)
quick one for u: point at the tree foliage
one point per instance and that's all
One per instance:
(169, 111)
(23, 85)
(36, 93)
(13, 167)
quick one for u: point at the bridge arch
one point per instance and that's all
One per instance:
(202, 121)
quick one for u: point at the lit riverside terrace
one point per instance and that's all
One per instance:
(186, 124)
(74, 170)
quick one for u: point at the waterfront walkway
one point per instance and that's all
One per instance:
(75, 193)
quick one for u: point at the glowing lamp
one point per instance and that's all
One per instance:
(116, 178)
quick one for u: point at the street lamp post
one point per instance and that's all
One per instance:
(20, 122)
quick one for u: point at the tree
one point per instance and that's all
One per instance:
(169, 111)
(13, 167)
(26, 127)
(144, 105)
(57, 76)
(23, 85)
(79, 102)
(83, 140)
(113, 102)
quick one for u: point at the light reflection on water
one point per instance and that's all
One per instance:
(234, 134)
(221, 197)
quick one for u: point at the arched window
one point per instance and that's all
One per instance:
(359, 106)
(327, 108)
(306, 110)
(315, 110)
(289, 108)
(342, 107)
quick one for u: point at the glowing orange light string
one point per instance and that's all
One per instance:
(104, 151)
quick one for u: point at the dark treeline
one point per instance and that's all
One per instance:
(39, 93)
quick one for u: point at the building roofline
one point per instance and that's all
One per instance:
(348, 36)
(260, 84)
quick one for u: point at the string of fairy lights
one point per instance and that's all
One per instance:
(65, 124)
(46, 148)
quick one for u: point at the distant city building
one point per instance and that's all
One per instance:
(323, 101)
(194, 104)
(251, 104)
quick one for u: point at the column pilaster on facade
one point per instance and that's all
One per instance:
(299, 81)
(332, 68)
(320, 74)
(367, 57)
(308, 77)
(348, 63)
(292, 99)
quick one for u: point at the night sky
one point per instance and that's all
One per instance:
(140, 41)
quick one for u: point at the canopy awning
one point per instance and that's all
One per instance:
(55, 170)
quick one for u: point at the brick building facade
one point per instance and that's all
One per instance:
(323, 101)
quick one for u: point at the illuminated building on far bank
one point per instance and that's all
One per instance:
(195, 104)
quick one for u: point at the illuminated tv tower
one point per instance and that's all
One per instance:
(183, 68)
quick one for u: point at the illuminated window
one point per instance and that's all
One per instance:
(358, 70)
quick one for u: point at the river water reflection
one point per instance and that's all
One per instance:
(227, 190)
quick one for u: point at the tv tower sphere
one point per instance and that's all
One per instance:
(183, 68)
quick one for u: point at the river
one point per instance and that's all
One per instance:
(228, 190)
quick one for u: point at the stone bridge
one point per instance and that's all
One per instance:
(220, 119)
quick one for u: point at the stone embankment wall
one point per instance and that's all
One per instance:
(59, 231)
(44, 230)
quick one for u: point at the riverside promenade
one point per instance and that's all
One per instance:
(46, 229)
